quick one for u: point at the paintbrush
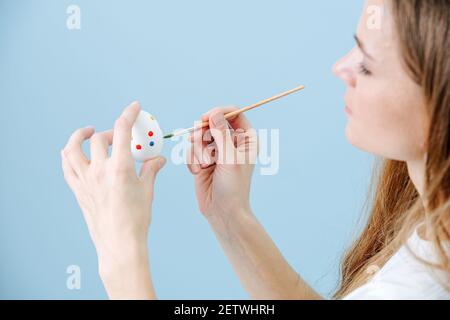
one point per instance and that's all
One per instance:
(234, 113)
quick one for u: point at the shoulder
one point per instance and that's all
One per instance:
(407, 275)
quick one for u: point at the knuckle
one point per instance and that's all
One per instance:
(65, 175)
(121, 171)
(96, 137)
(216, 111)
(95, 168)
(77, 133)
(69, 150)
(207, 136)
(96, 175)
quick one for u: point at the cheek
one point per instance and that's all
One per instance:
(382, 125)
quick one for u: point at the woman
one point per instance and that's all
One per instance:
(398, 106)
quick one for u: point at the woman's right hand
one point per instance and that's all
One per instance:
(222, 185)
(222, 159)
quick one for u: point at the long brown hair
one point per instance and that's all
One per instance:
(394, 204)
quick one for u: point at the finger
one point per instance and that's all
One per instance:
(242, 137)
(221, 134)
(192, 162)
(237, 122)
(207, 154)
(247, 146)
(150, 169)
(72, 180)
(205, 118)
(203, 130)
(100, 143)
(211, 151)
(69, 175)
(122, 132)
(201, 138)
(73, 149)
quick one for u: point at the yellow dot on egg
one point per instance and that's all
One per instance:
(151, 117)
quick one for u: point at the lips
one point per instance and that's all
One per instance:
(348, 110)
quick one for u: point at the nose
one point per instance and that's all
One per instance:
(344, 68)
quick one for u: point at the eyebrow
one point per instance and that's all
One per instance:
(361, 46)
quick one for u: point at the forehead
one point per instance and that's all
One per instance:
(375, 29)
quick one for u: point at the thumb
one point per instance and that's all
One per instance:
(221, 133)
(151, 167)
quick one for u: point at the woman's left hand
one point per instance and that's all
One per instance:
(116, 203)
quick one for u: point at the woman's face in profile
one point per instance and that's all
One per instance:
(385, 107)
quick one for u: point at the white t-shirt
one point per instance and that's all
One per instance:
(404, 277)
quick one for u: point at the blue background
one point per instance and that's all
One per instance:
(179, 59)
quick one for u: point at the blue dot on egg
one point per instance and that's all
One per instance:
(152, 143)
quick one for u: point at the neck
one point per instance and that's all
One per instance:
(416, 170)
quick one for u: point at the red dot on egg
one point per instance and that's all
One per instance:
(138, 146)
(150, 133)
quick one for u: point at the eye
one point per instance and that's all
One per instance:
(363, 70)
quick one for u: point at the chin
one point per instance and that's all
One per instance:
(352, 138)
(349, 135)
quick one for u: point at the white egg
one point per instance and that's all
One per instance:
(146, 138)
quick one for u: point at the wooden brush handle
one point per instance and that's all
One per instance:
(238, 112)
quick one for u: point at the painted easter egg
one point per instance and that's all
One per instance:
(146, 137)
